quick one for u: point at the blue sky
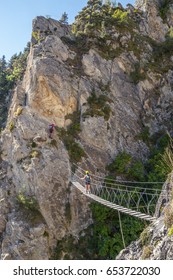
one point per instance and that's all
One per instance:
(17, 15)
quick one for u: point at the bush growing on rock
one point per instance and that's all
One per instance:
(28, 202)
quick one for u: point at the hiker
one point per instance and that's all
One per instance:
(51, 129)
(87, 179)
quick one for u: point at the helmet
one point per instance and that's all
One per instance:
(86, 172)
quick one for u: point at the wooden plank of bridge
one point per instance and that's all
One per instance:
(114, 206)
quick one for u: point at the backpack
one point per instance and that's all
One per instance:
(87, 178)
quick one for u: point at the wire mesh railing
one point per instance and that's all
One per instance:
(141, 197)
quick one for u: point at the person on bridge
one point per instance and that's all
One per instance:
(87, 179)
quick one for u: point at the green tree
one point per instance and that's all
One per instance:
(3, 80)
(89, 18)
(17, 66)
(64, 18)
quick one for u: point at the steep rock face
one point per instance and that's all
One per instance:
(39, 205)
(39, 168)
(153, 24)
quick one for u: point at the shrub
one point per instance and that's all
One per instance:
(33, 144)
(167, 158)
(28, 202)
(168, 216)
(106, 230)
(98, 106)
(147, 251)
(164, 8)
(136, 171)
(36, 36)
(170, 33)
(121, 163)
(75, 151)
(120, 16)
(18, 112)
(161, 51)
(145, 237)
(34, 154)
(69, 137)
(138, 74)
(144, 135)
(11, 125)
(170, 232)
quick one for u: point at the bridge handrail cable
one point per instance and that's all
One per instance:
(144, 190)
(110, 179)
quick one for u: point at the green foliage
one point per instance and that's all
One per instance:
(168, 216)
(164, 48)
(75, 151)
(144, 135)
(125, 165)
(158, 166)
(136, 171)
(120, 16)
(19, 111)
(106, 230)
(102, 240)
(11, 126)
(170, 232)
(147, 251)
(34, 154)
(160, 60)
(69, 136)
(33, 144)
(164, 8)
(170, 33)
(89, 18)
(167, 158)
(64, 18)
(145, 237)
(17, 66)
(3, 76)
(28, 202)
(36, 36)
(95, 17)
(121, 163)
(138, 74)
(155, 169)
(98, 106)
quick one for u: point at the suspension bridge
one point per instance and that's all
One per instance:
(138, 199)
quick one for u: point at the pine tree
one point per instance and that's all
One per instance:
(89, 17)
(17, 66)
(3, 80)
(64, 18)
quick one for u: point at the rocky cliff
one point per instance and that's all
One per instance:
(101, 93)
